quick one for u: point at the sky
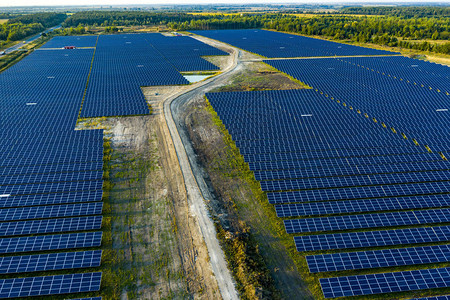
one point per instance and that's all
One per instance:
(129, 2)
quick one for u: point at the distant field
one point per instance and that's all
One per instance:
(218, 13)
(341, 15)
(3, 21)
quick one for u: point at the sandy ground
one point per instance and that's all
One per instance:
(157, 242)
(234, 204)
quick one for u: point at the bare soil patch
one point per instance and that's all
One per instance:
(258, 76)
(157, 250)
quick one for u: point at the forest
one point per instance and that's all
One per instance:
(399, 11)
(21, 26)
(128, 18)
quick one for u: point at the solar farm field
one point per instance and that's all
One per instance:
(123, 63)
(356, 167)
(272, 44)
(51, 176)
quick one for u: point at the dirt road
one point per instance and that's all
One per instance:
(196, 187)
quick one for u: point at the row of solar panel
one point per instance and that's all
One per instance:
(276, 44)
(400, 114)
(279, 133)
(402, 163)
(347, 222)
(124, 63)
(385, 282)
(366, 205)
(42, 160)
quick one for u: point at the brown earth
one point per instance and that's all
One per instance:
(158, 249)
(258, 76)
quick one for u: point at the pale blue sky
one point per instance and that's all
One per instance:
(128, 2)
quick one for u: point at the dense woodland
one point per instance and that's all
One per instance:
(19, 27)
(399, 11)
(128, 18)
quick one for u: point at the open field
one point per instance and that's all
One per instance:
(3, 21)
(258, 76)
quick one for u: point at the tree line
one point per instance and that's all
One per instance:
(399, 11)
(19, 27)
(127, 18)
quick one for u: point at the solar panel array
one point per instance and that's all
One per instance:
(378, 258)
(50, 174)
(76, 41)
(124, 63)
(277, 44)
(385, 282)
(346, 160)
(50, 285)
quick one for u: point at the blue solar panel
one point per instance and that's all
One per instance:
(276, 44)
(371, 86)
(363, 239)
(50, 226)
(50, 242)
(378, 258)
(433, 298)
(46, 199)
(50, 285)
(77, 41)
(54, 187)
(350, 181)
(385, 282)
(56, 168)
(52, 177)
(124, 63)
(347, 222)
(47, 262)
(409, 189)
(353, 206)
(51, 211)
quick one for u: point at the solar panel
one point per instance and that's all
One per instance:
(50, 226)
(43, 169)
(46, 199)
(385, 282)
(51, 211)
(378, 258)
(277, 44)
(367, 221)
(351, 181)
(433, 298)
(353, 206)
(410, 189)
(47, 262)
(55, 187)
(51, 177)
(50, 242)
(372, 238)
(50, 285)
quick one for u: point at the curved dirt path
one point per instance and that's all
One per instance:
(196, 188)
